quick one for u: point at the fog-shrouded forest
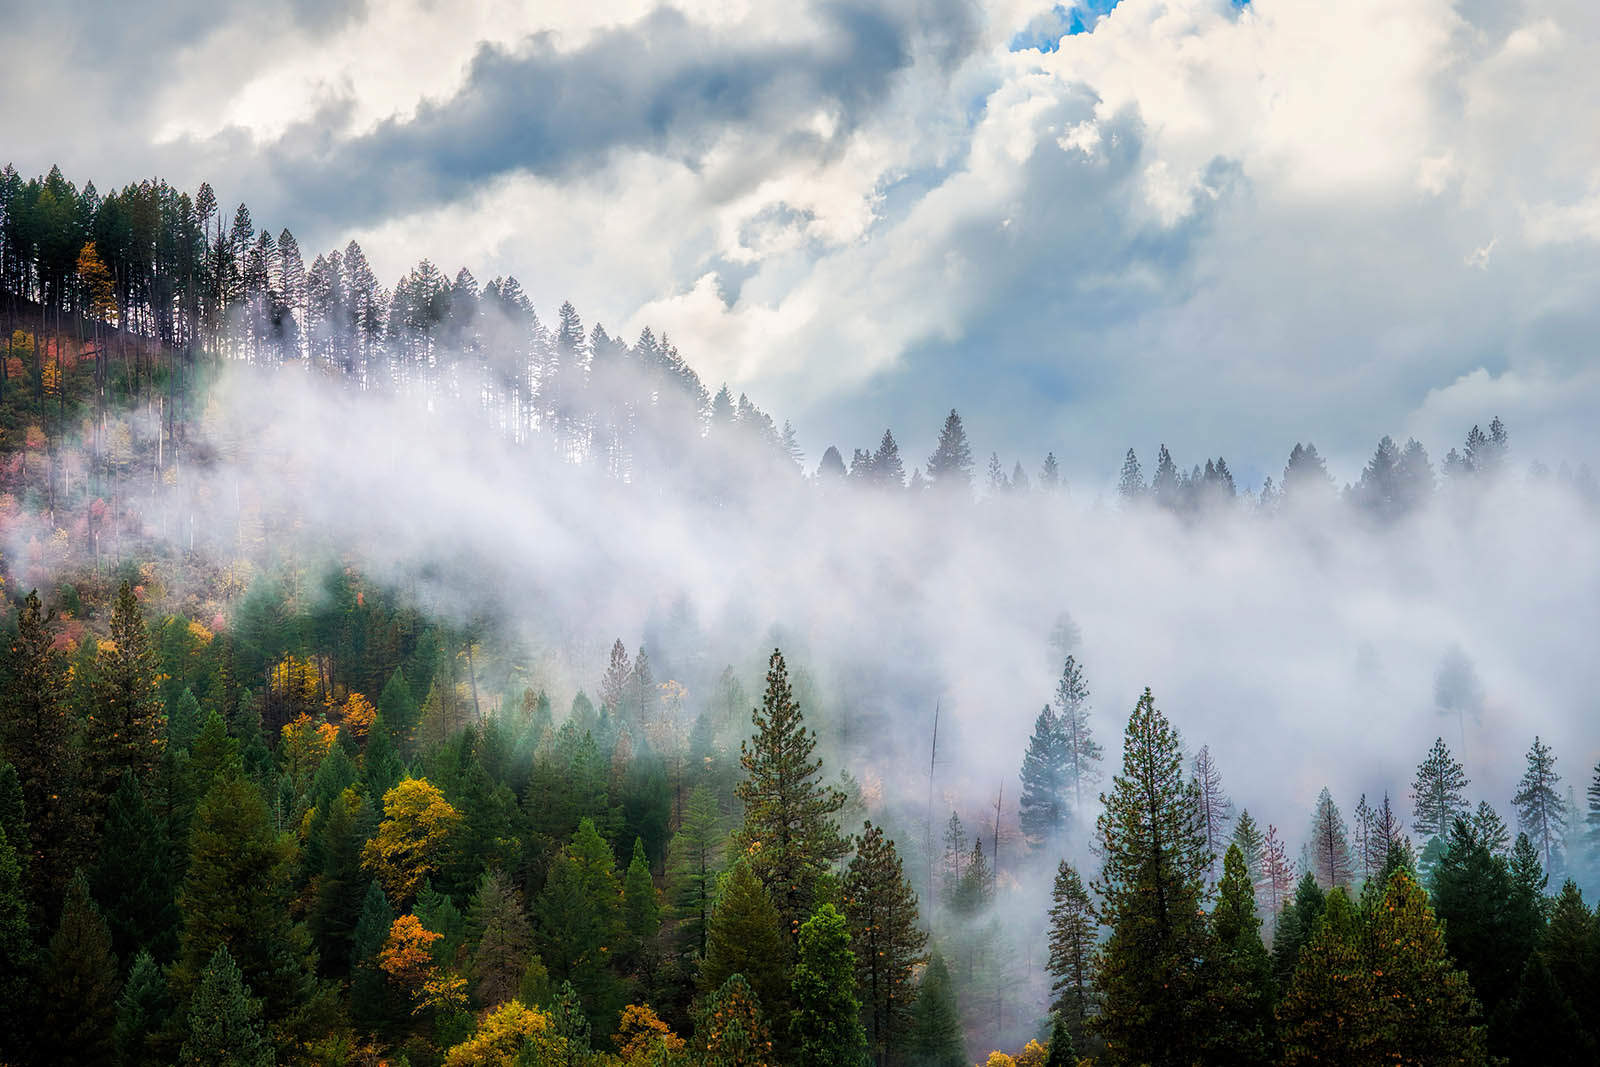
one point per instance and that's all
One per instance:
(402, 674)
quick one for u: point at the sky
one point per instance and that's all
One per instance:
(1219, 225)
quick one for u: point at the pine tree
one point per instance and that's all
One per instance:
(133, 878)
(1044, 811)
(996, 476)
(225, 1028)
(36, 737)
(579, 915)
(128, 726)
(1252, 844)
(1438, 794)
(1074, 934)
(935, 1038)
(79, 983)
(367, 981)
(693, 864)
(825, 1023)
(641, 913)
(789, 831)
(1568, 947)
(1050, 473)
(501, 940)
(1383, 833)
(1540, 811)
(887, 469)
(950, 467)
(746, 937)
(1277, 877)
(1328, 845)
(16, 947)
(1151, 886)
(143, 1012)
(1296, 926)
(183, 721)
(1542, 1026)
(1489, 828)
(1471, 891)
(976, 887)
(731, 1030)
(1237, 976)
(1130, 484)
(882, 913)
(1216, 808)
(1082, 753)
(953, 863)
(399, 711)
(236, 894)
(1329, 1014)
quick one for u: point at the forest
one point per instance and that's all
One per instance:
(296, 767)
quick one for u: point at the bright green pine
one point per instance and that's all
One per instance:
(1237, 978)
(825, 1024)
(143, 1013)
(746, 937)
(934, 1037)
(1151, 887)
(789, 831)
(1074, 934)
(225, 1028)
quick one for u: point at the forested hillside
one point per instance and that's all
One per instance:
(318, 742)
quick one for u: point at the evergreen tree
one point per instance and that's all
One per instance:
(1540, 811)
(127, 728)
(236, 895)
(789, 830)
(731, 1030)
(16, 947)
(1383, 833)
(1237, 976)
(1541, 1024)
(36, 737)
(1471, 891)
(1151, 886)
(1438, 794)
(225, 1028)
(501, 940)
(1252, 845)
(399, 711)
(1044, 810)
(1216, 808)
(886, 466)
(1166, 485)
(579, 921)
(1063, 1052)
(1074, 934)
(367, 988)
(1130, 484)
(183, 720)
(614, 685)
(976, 886)
(746, 937)
(133, 879)
(1082, 753)
(882, 913)
(1050, 474)
(79, 983)
(143, 1012)
(1329, 1013)
(997, 480)
(825, 1023)
(1328, 845)
(935, 1038)
(1489, 828)
(950, 466)
(693, 864)
(1296, 925)
(1568, 948)
(641, 913)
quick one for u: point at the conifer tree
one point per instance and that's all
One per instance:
(236, 894)
(950, 467)
(16, 946)
(1063, 1051)
(1541, 814)
(882, 915)
(1383, 833)
(1489, 828)
(746, 937)
(887, 469)
(1130, 484)
(1328, 1014)
(1252, 845)
(143, 1012)
(579, 921)
(36, 737)
(1074, 934)
(732, 1029)
(1237, 975)
(935, 1038)
(1327, 845)
(1083, 754)
(1151, 886)
(127, 728)
(693, 864)
(1044, 809)
(183, 720)
(79, 983)
(133, 879)
(367, 981)
(399, 711)
(1541, 1025)
(1277, 877)
(1471, 891)
(641, 912)
(1438, 794)
(1296, 925)
(1568, 947)
(225, 1028)
(976, 887)
(789, 831)
(954, 861)
(501, 940)
(615, 683)
(825, 1023)
(1216, 808)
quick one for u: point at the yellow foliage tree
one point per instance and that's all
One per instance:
(998, 1059)
(504, 1033)
(358, 714)
(305, 742)
(97, 283)
(413, 838)
(1033, 1054)
(643, 1038)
